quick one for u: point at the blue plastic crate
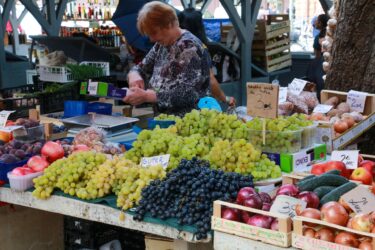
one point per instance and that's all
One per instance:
(7, 167)
(127, 144)
(75, 108)
(152, 123)
(100, 108)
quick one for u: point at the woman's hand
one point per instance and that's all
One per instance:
(135, 80)
(136, 96)
(231, 101)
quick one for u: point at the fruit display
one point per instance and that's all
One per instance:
(241, 157)
(27, 123)
(187, 194)
(282, 135)
(15, 151)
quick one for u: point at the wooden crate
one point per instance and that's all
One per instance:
(301, 242)
(325, 131)
(271, 43)
(279, 238)
(273, 27)
(271, 65)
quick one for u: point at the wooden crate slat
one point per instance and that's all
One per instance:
(262, 35)
(267, 44)
(279, 66)
(272, 51)
(270, 62)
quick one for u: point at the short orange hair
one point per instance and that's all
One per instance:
(155, 14)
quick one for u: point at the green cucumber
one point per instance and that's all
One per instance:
(323, 190)
(322, 180)
(336, 193)
(333, 171)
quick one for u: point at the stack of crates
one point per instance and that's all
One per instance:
(271, 43)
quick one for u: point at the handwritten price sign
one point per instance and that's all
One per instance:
(360, 199)
(287, 205)
(262, 100)
(356, 100)
(155, 160)
(297, 86)
(349, 157)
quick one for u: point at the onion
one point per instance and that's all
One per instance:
(335, 213)
(311, 198)
(349, 120)
(275, 225)
(345, 205)
(311, 213)
(52, 151)
(325, 234)
(340, 126)
(357, 116)
(309, 232)
(287, 189)
(346, 239)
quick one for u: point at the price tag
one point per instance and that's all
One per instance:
(11, 128)
(349, 157)
(155, 160)
(287, 205)
(92, 88)
(283, 93)
(356, 100)
(4, 117)
(300, 162)
(322, 108)
(360, 199)
(262, 100)
(297, 86)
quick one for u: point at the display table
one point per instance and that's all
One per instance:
(101, 213)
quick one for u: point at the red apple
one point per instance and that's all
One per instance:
(361, 222)
(369, 165)
(318, 168)
(339, 165)
(362, 175)
(244, 193)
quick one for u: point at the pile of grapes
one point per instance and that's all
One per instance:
(90, 175)
(282, 135)
(187, 194)
(241, 157)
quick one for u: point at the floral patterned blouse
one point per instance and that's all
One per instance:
(179, 74)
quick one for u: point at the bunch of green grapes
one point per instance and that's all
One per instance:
(283, 135)
(137, 178)
(212, 124)
(68, 174)
(166, 117)
(241, 157)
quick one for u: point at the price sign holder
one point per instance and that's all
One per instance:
(92, 87)
(356, 100)
(322, 108)
(4, 115)
(360, 199)
(155, 160)
(349, 157)
(287, 205)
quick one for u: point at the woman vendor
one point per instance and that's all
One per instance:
(175, 74)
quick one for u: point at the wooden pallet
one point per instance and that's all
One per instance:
(302, 242)
(279, 238)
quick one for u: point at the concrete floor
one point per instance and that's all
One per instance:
(24, 228)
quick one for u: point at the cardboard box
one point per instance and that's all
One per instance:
(102, 89)
(300, 161)
(325, 131)
(158, 243)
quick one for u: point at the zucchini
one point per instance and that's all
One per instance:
(307, 177)
(323, 190)
(322, 180)
(336, 193)
(333, 171)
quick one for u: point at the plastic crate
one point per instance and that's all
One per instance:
(152, 123)
(29, 134)
(100, 108)
(22, 183)
(102, 65)
(7, 167)
(75, 108)
(21, 106)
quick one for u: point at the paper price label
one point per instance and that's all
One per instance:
(4, 115)
(287, 205)
(356, 100)
(360, 199)
(300, 162)
(93, 88)
(283, 94)
(349, 157)
(156, 160)
(262, 100)
(297, 86)
(322, 108)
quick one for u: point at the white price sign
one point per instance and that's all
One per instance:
(300, 162)
(322, 108)
(349, 157)
(4, 117)
(356, 100)
(297, 86)
(283, 93)
(287, 205)
(93, 88)
(156, 160)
